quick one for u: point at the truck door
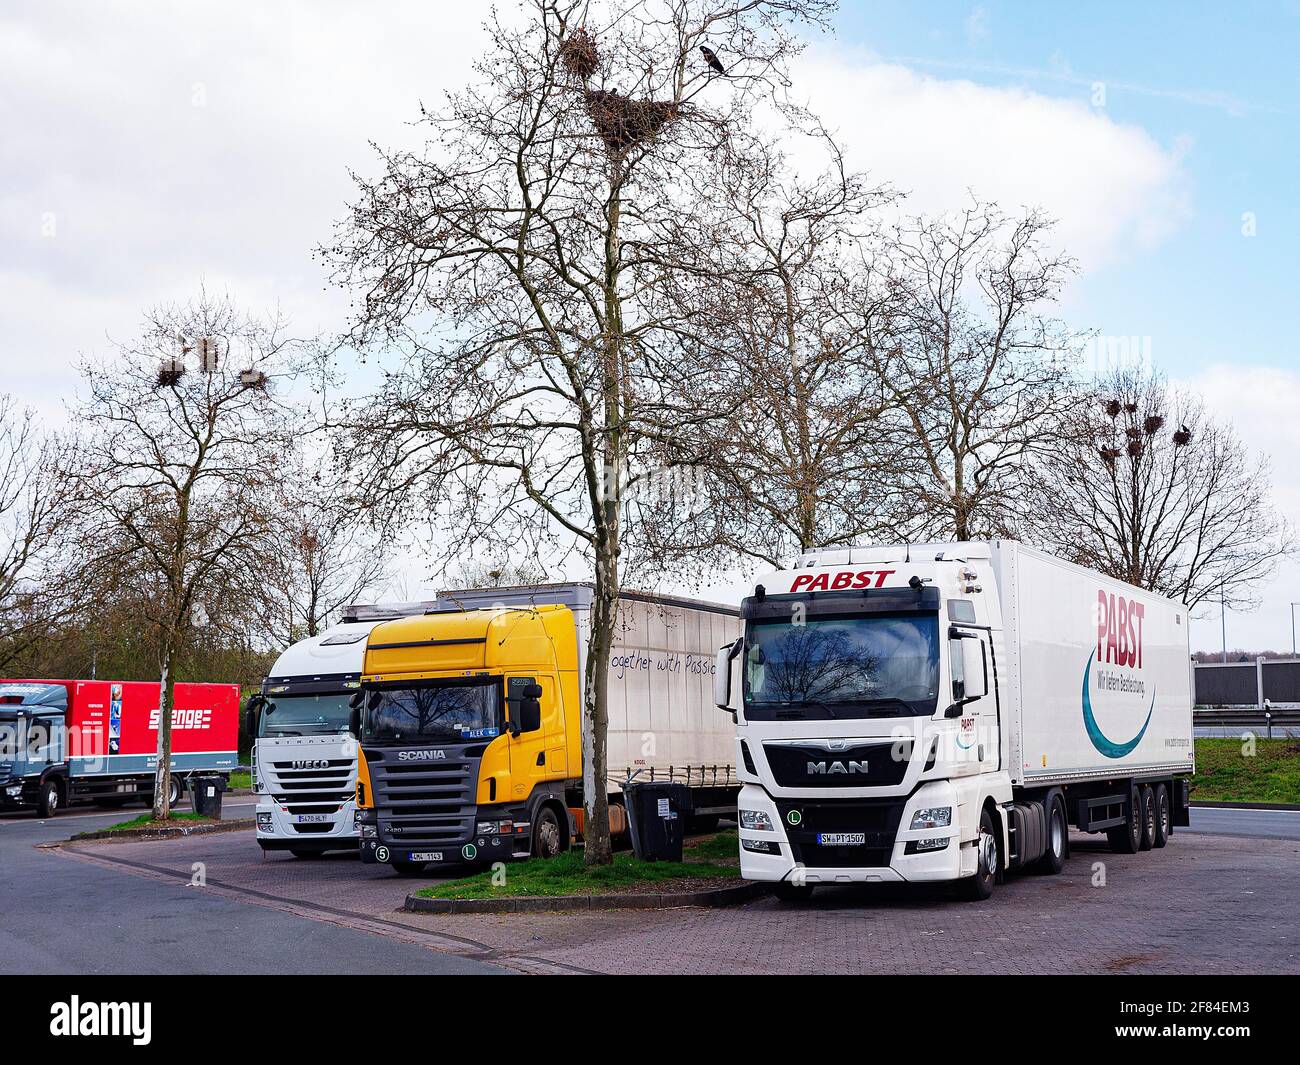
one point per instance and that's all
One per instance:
(978, 734)
(528, 751)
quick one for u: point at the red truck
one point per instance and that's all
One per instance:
(69, 741)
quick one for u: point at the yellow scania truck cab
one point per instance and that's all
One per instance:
(468, 728)
(470, 721)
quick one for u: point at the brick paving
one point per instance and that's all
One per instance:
(1204, 904)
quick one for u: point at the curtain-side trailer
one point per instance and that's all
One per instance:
(472, 722)
(941, 712)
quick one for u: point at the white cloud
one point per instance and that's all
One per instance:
(1111, 186)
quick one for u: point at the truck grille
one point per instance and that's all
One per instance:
(877, 819)
(425, 803)
(315, 790)
(862, 765)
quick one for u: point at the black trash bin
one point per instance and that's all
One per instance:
(205, 793)
(656, 817)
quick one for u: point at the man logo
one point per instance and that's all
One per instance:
(831, 768)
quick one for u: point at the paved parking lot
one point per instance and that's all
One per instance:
(1203, 904)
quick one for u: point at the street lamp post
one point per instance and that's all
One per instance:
(1293, 606)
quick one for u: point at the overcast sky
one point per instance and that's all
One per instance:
(148, 147)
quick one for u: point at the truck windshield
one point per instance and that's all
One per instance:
(442, 710)
(842, 668)
(310, 714)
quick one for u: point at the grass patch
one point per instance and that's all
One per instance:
(1225, 774)
(241, 779)
(147, 821)
(566, 874)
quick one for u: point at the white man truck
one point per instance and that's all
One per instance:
(944, 712)
(304, 758)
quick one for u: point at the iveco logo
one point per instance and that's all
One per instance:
(421, 756)
(831, 768)
(309, 763)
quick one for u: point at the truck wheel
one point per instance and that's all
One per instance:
(548, 840)
(174, 792)
(1127, 838)
(51, 798)
(405, 868)
(788, 892)
(979, 887)
(1162, 819)
(1053, 859)
(1148, 809)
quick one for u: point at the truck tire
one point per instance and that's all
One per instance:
(1148, 809)
(788, 892)
(405, 868)
(1163, 817)
(1053, 859)
(50, 799)
(1127, 838)
(979, 887)
(548, 837)
(174, 791)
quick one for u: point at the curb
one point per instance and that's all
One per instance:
(166, 833)
(1289, 806)
(728, 896)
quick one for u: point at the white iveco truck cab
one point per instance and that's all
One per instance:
(304, 757)
(944, 712)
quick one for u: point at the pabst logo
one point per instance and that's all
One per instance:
(838, 582)
(1119, 630)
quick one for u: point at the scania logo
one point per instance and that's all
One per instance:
(309, 763)
(831, 768)
(421, 756)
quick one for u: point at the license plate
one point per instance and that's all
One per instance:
(426, 856)
(841, 839)
(311, 819)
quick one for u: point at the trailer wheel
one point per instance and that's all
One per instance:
(1127, 838)
(51, 798)
(1148, 810)
(1162, 818)
(1053, 859)
(548, 838)
(174, 791)
(979, 887)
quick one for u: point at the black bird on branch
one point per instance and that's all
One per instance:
(711, 57)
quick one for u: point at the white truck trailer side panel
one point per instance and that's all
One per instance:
(1100, 683)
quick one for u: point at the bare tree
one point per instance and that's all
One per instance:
(545, 268)
(807, 458)
(968, 359)
(324, 555)
(33, 500)
(1154, 492)
(179, 460)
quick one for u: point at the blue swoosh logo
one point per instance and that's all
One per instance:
(1100, 740)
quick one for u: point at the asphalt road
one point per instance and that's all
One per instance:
(1264, 824)
(67, 916)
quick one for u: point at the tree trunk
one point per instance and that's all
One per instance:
(162, 775)
(595, 773)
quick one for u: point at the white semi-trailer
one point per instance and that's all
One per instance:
(943, 712)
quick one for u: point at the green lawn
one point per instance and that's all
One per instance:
(705, 859)
(241, 779)
(1224, 773)
(147, 821)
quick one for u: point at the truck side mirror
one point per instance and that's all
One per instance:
(354, 721)
(530, 712)
(354, 700)
(722, 675)
(253, 713)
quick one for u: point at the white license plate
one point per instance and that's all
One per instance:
(311, 819)
(426, 856)
(841, 839)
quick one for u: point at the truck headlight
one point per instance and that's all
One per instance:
(755, 821)
(932, 817)
(366, 830)
(14, 791)
(264, 821)
(760, 846)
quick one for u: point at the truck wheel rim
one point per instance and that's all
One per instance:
(549, 837)
(52, 798)
(988, 854)
(1058, 837)
(1164, 815)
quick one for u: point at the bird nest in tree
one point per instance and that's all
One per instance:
(169, 374)
(578, 54)
(623, 122)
